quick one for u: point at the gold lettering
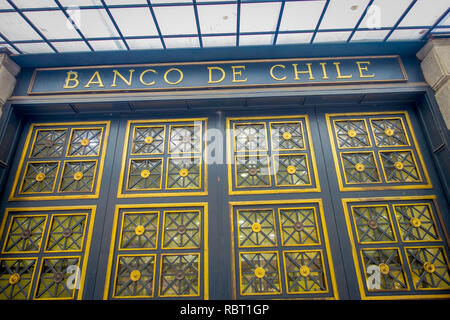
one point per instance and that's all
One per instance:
(239, 73)
(170, 70)
(273, 76)
(309, 71)
(364, 68)
(141, 78)
(210, 74)
(324, 70)
(71, 76)
(117, 73)
(91, 81)
(338, 70)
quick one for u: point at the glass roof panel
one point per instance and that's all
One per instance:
(293, 38)
(5, 5)
(425, 13)
(95, 23)
(217, 18)
(34, 3)
(107, 45)
(14, 27)
(53, 24)
(140, 44)
(170, 1)
(407, 34)
(40, 47)
(176, 20)
(80, 3)
(254, 40)
(257, 17)
(71, 46)
(121, 2)
(337, 36)
(126, 20)
(187, 42)
(384, 13)
(301, 15)
(341, 14)
(219, 41)
(373, 35)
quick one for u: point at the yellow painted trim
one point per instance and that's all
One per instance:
(75, 161)
(70, 142)
(289, 155)
(248, 124)
(164, 229)
(50, 229)
(248, 157)
(319, 243)
(360, 152)
(25, 173)
(199, 273)
(152, 153)
(32, 274)
(435, 226)
(35, 137)
(414, 160)
(288, 122)
(364, 120)
(274, 228)
(403, 127)
(141, 159)
(116, 270)
(200, 177)
(390, 221)
(122, 222)
(7, 213)
(194, 125)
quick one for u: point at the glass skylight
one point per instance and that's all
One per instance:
(52, 26)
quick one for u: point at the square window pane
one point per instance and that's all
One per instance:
(53, 24)
(370, 35)
(71, 46)
(301, 15)
(34, 3)
(343, 14)
(95, 23)
(332, 36)
(445, 21)
(257, 17)
(425, 13)
(292, 38)
(15, 28)
(170, 1)
(4, 5)
(187, 42)
(125, 2)
(256, 40)
(219, 41)
(9, 48)
(140, 44)
(106, 45)
(176, 20)
(80, 3)
(217, 18)
(408, 34)
(41, 47)
(384, 13)
(134, 21)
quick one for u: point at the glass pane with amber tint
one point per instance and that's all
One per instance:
(360, 168)
(145, 174)
(399, 166)
(183, 173)
(351, 133)
(182, 229)
(287, 136)
(148, 140)
(53, 279)
(304, 272)
(135, 276)
(416, 222)
(429, 267)
(389, 132)
(185, 139)
(15, 278)
(291, 170)
(252, 171)
(259, 273)
(373, 224)
(179, 275)
(383, 270)
(66, 233)
(250, 136)
(39, 177)
(78, 176)
(25, 234)
(139, 231)
(256, 228)
(49, 144)
(85, 142)
(299, 226)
